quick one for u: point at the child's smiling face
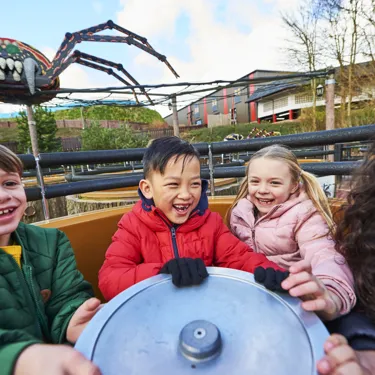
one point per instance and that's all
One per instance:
(177, 191)
(269, 183)
(12, 204)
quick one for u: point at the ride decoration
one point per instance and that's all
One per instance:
(262, 133)
(25, 72)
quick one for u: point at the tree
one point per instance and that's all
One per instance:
(46, 131)
(95, 137)
(304, 47)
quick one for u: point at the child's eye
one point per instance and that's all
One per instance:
(196, 184)
(253, 182)
(276, 183)
(11, 183)
(172, 184)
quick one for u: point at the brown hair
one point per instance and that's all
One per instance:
(355, 234)
(9, 161)
(310, 183)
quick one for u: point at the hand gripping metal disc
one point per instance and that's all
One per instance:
(227, 325)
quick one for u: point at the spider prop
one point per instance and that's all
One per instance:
(24, 70)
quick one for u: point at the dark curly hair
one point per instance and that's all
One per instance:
(355, 234)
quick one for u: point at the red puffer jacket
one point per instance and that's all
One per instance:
(145, 240)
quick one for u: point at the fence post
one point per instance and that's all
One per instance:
(211, 169)
(40, 179)
(337, 156)
(176, 129)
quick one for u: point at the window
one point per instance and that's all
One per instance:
(214, 105)
(237, 95)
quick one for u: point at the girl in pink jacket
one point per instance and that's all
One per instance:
(282, 212)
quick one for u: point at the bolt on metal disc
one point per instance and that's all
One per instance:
(228, 324)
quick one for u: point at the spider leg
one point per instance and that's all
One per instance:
(108, 71)
(71, 39)
(119, 67)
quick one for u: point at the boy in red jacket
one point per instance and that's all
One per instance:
(171, 229)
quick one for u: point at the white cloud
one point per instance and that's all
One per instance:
(246, 39)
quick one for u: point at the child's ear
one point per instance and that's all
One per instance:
(296, 187)
(146, 188)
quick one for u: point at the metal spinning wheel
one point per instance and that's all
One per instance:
(227, 325)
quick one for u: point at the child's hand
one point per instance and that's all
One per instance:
(81, 317)
(340, 358)
(271, 279)
(53, 359)
(303, 284)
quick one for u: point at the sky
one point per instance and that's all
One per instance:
(202, 39)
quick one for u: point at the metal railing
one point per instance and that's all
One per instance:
(321, 138)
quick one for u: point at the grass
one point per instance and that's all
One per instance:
(10, 134)
(218, 133)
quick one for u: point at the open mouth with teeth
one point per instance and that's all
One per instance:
(7, 212)
(182, 209)
(265, 202)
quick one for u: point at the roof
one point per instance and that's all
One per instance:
(221, 88)
(275, 87)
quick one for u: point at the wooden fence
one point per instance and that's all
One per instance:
(74, 143)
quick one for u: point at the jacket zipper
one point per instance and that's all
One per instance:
(255, 224)
(174, 242)
(25, 287)
(254, 243)
(33, 293)
(173, 235)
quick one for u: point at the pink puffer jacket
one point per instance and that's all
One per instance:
(293, 231)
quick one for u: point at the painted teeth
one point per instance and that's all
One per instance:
(2, 75)
(16, 76)
(3, 63)
(18, 66)
(10, 63)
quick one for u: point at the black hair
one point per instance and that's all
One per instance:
(164, 149)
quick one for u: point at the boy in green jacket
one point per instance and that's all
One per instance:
(44, 299)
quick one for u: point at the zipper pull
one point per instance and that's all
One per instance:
(173, 231)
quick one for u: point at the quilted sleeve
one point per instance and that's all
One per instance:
(123, 265)
(12, 343)
(69, 290)
(327, 264)
(230, 252)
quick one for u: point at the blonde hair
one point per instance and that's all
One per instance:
(9, 161)
(310, 182)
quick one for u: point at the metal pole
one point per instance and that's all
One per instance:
(330, 106)
(82, 118)
(32, 130)
(211, 169)
(176, 129)
(39, 174)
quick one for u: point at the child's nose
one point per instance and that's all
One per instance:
(184, 193)
(263, 188)
(4, 195)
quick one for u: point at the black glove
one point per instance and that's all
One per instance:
(270, 278)
(185, 271)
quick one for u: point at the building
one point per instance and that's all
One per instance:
(271, 101)
(227, 101)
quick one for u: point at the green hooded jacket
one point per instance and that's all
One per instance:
(37, 300)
